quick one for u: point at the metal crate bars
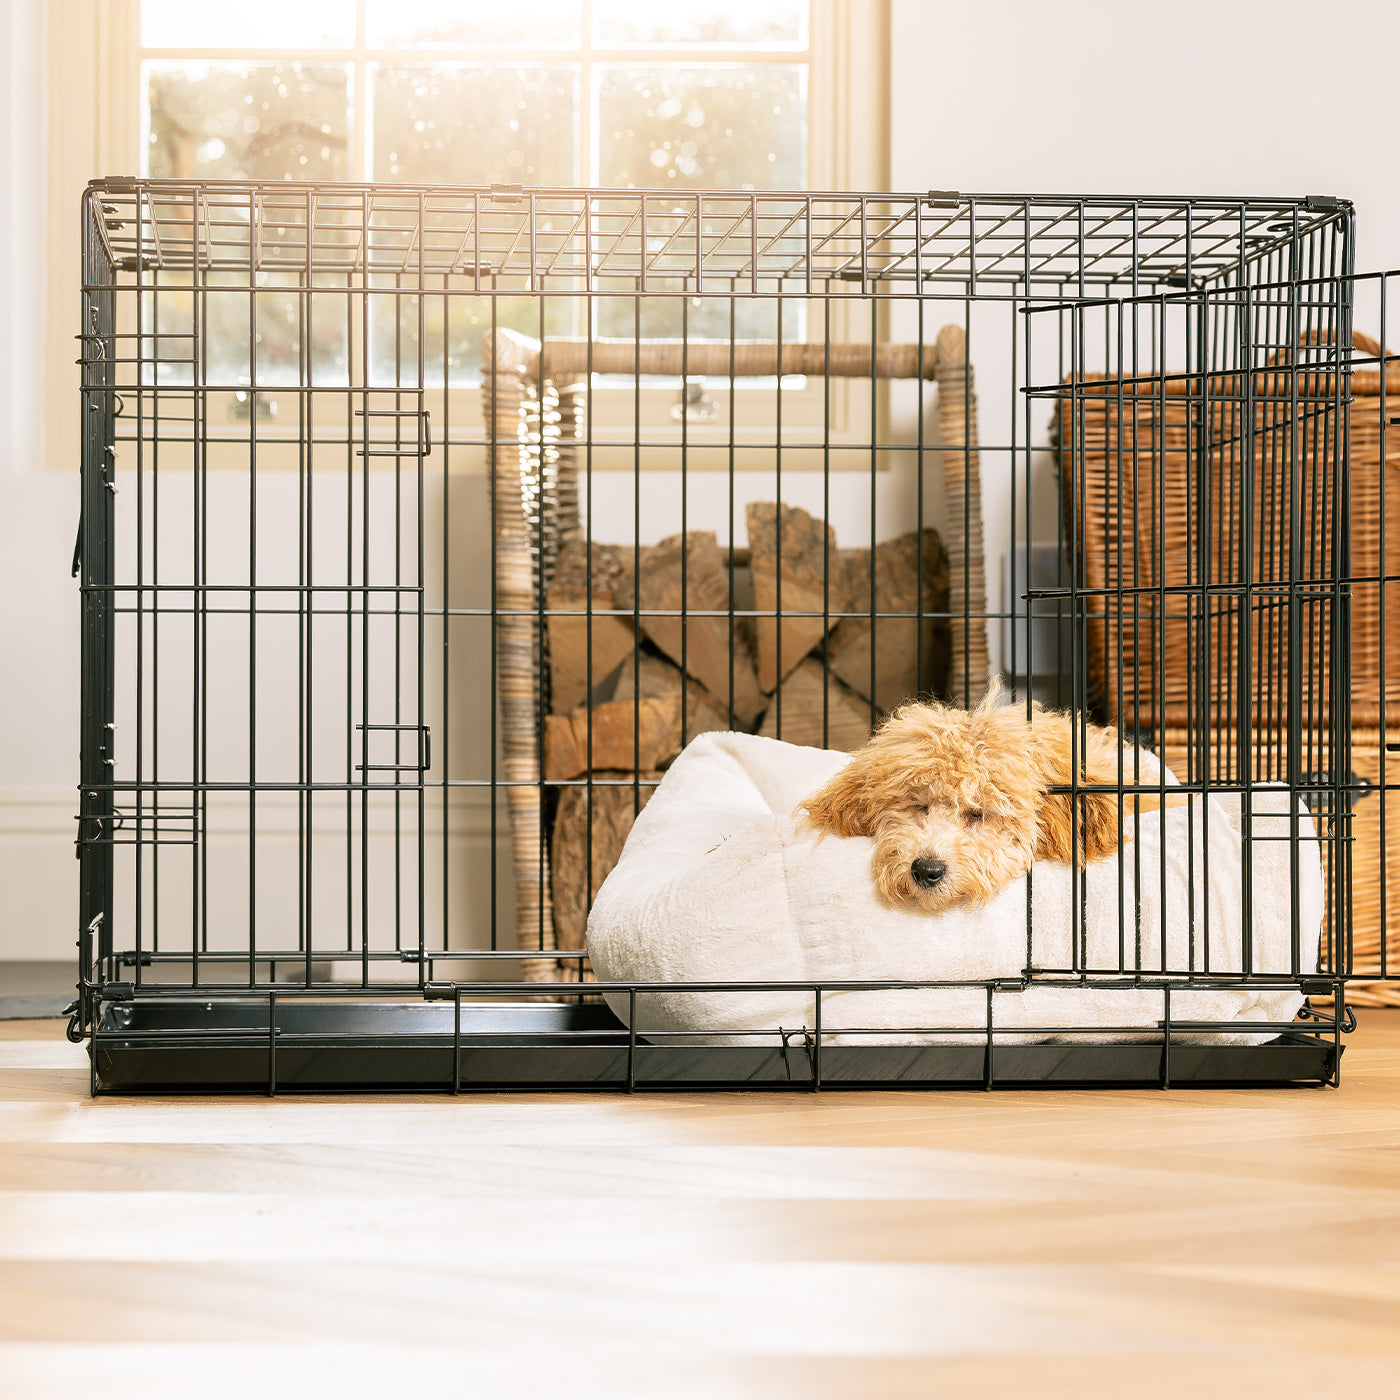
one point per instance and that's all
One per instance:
(342, 442)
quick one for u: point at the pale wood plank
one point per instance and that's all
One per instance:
(826, 1245)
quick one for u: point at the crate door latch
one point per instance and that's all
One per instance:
(425, 750)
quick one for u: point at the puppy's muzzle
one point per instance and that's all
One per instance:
(927, 872)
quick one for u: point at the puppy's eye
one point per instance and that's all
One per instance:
(972, 817)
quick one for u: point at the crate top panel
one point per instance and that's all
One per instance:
(509, 239)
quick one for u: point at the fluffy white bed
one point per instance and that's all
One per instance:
(717, 884)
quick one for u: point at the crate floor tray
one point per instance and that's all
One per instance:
(170, 1045)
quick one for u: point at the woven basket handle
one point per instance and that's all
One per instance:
(1359, 341)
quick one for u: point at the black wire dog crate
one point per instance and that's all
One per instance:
(423, 527)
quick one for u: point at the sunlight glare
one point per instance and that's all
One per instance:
(251, 24)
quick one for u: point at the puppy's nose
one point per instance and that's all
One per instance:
(928, 872)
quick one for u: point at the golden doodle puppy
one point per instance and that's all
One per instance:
(959, 803)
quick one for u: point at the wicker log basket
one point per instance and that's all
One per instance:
(535, 479)
(1132, 451)
(535, 405)
(967, 583)
(1359, 842)
(1134, 521)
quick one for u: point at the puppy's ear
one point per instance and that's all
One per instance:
(1069, 827)
(846, 806)
(1097, 820)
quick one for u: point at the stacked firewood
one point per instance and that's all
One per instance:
(805, 653)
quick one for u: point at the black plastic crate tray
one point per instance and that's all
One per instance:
(188, 1046)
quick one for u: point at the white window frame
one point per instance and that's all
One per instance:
(96, 127)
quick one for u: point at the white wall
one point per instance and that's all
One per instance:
(1230, 97)
(1224, 97)
(39, 511)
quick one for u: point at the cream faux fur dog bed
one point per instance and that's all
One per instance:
(717, 884)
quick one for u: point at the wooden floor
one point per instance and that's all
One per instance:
(833, 1247)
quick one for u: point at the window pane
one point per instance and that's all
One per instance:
(451, 24)
(250, 24)
(719, 127)
(453, 329)
(274, 319)
(634, 23)
(467, 125)
(282, 121)
(698, 318)
(251, 122)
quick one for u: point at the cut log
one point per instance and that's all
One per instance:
(608, 812)
(626, 734)
(606, 568)
(570, 591)
(612, 641)
(700, 644)
(703, 713)
(795, 714)
(898, 653)
(791, 554)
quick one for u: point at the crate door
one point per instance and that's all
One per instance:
(366, 744)
(267, 690)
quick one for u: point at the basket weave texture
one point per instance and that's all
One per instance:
(1202, 514)
(1360, 845)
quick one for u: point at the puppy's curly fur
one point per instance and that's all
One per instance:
(958, 802)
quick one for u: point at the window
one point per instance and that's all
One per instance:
(709, 94)
(617, 93)
(700, 94)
